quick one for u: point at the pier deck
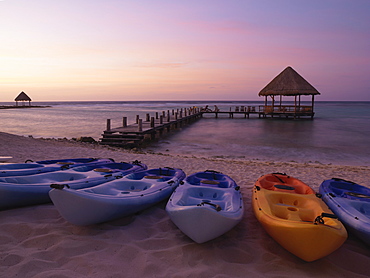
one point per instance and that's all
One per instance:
(140, 131)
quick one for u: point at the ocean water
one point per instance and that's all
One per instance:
(338, 134)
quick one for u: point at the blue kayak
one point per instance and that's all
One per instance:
(206, 206)
(31, 168)
(118, 198)
(16, 191)
(350, 202)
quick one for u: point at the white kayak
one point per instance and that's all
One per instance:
(16, 191)
(118, 198)
(206, 206)
(31, 168)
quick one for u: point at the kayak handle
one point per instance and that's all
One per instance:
(59, 186)
(339, 179)
(319, 219)
(275, 175)
(64, 167)
(358, 195)
(217, 207)
(212, 171)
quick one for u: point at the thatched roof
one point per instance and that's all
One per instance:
(288, 83)
(22, 97)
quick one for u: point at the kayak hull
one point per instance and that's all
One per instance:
(206, 206)
(16, 191)
(301, 223)
(351, 203)
(116, 199)
(31, 168)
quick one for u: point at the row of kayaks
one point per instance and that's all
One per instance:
(203, 205)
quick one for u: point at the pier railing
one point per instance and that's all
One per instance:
(285, 109)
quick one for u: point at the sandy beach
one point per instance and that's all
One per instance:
(36, 241)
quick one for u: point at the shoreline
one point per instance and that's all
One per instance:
(23, 106)
(37, 242)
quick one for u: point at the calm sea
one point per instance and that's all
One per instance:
(339, 133)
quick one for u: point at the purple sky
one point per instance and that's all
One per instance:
(181, 50)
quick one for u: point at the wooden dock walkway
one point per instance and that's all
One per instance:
(148, 130)
(154, 127)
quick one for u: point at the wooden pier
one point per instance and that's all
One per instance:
(154, 127)
(265, 111)
(148, 130)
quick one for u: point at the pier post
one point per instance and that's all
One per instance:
(124, 121)
(168, 116)
(161, 120)
(147, 117)
(137, 119)
(156, 115)
(108, 124)
(152, 122)
(140, 125)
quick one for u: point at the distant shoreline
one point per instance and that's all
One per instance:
(15, 107)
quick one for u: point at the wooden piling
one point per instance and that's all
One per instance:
(108, 124)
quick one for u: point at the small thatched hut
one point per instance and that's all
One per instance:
(23, 97)
(288, 83)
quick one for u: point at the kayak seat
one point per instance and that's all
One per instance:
(194, 195)
(44, 178)
(221, 183)
(209, 179)
(293, 207)
(158, 178)
(289, 212)
(122, 187)
(163, 174)
(363, 207)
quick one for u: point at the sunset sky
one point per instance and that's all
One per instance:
(181, 50)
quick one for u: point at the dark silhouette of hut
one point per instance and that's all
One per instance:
(288, 83)
(23, 97)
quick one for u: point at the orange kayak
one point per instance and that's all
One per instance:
(295, 217)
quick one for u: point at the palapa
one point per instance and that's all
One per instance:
(288, 83)
(23, 97)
